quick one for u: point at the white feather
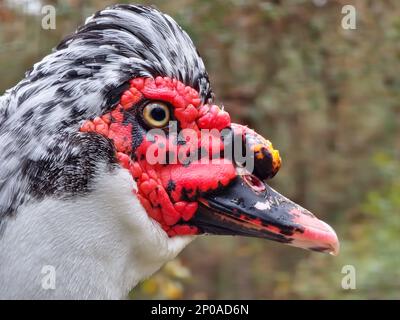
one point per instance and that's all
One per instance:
(101, 245)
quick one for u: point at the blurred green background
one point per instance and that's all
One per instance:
(328, 98)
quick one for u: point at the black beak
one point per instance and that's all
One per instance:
(249, 207)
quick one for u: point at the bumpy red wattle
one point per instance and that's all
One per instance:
(212, 117)
(196, 178)
(168, 192)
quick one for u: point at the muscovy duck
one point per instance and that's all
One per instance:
(79, 190)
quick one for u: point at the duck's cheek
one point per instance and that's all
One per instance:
(112, 126)
(168, 189)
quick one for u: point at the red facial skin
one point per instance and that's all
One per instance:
(167, 192)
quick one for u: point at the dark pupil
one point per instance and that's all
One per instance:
(158, 113)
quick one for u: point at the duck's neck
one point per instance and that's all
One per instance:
(97, 246)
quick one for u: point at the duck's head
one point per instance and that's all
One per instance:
(196, 172)
(130, 91)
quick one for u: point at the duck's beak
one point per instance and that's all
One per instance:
(239, 209)
(250, 207)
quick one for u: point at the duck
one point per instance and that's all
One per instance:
(115, 156)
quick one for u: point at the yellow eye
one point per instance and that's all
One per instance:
(156, 114)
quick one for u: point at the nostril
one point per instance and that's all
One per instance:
(254, 183)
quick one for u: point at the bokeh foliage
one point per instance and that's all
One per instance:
(328, 98)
